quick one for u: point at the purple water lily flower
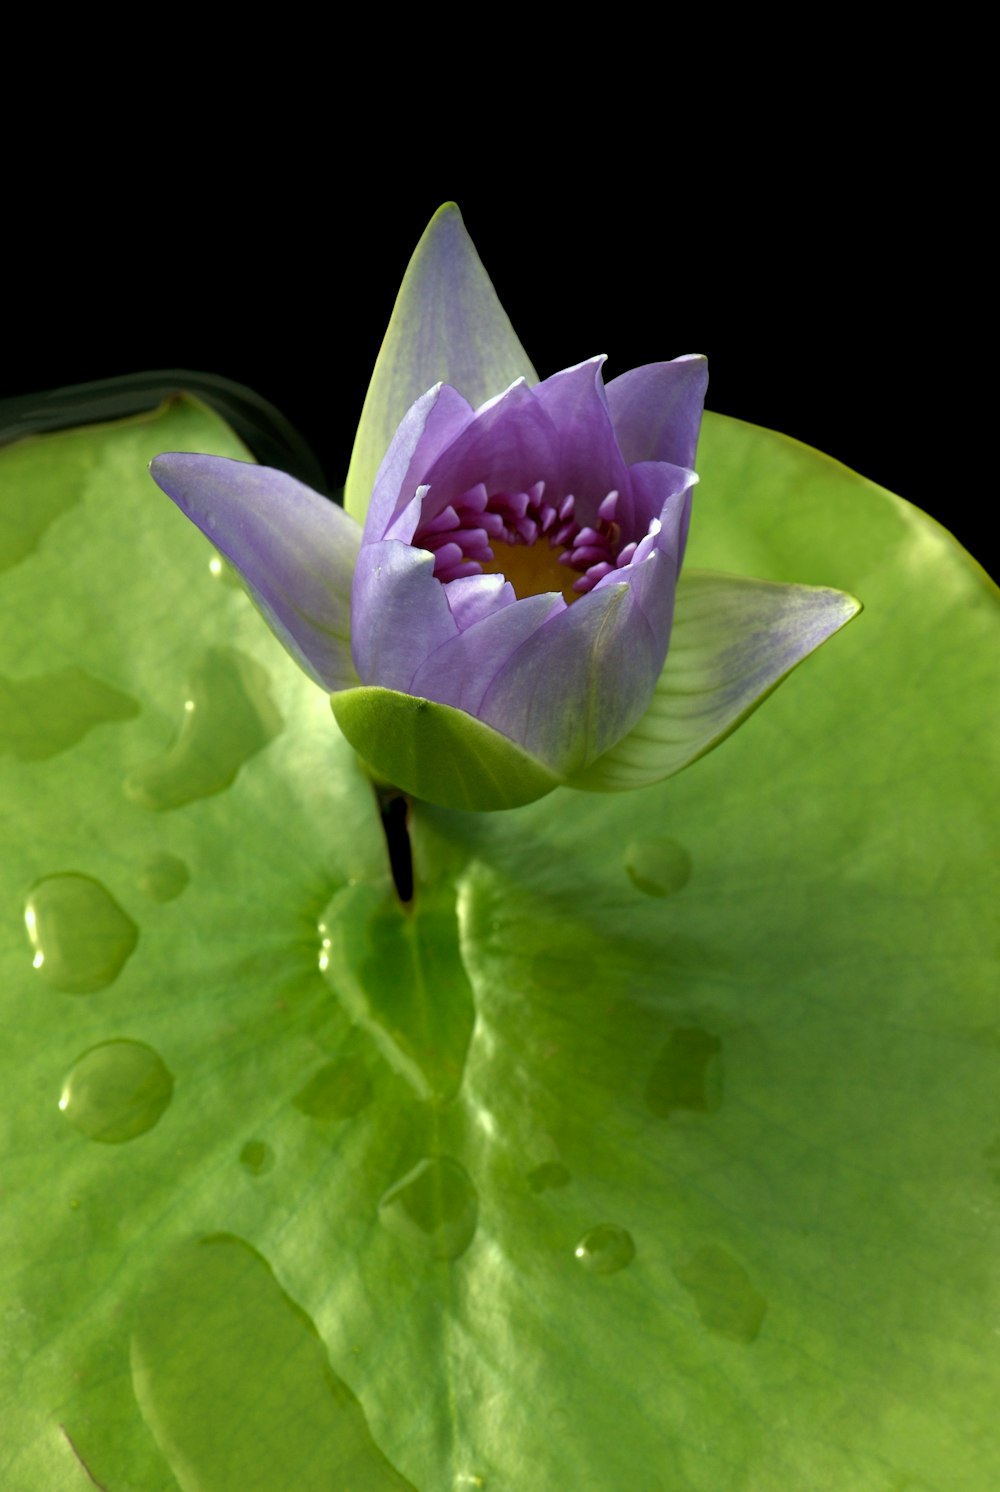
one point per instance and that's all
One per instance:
(500, 624)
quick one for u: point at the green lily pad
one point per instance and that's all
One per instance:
(653, 1146)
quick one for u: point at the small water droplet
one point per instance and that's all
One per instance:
(257, 1157)
(41, 716)
(657, 867)
(687, 1074)
(229, 716)
(163, 878)
(605, 1249)
(435, 1206)
(220, 569)
(723, 1293)
(81, 937)
(116, 1091)
(549, 1174)
(337, 1091)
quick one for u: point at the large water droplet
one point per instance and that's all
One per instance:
(229, 715)
(337, 1091)
(257, 1157)
(42, 479)
(116, 1091)
(723, 1293)
(400, 974)
(549, 1174)
(659, 867)
(81, 937)
(235, 1383)
(687, 1074)
(605, 1249)
(44, 715)
(434, 1206)
(163, 878)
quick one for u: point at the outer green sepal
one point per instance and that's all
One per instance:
(439, 753)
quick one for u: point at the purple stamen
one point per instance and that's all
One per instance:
(586, 555)
(461, 536)
(475, 499)
(446, 519)
(447, 556)
(606, 511)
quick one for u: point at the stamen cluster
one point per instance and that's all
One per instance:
(461, 536)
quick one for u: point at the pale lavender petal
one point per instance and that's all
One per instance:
(295, 550)
(590, 462)
(461, 671)
(584, 679)
(509, 445)
(447, 326)
(404, 525)
(399, 614)
(477, 596)
(428, 427)
(656, 410)
(654, 485)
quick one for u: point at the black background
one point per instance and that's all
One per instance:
(833, 308)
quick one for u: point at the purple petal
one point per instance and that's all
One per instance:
(584, 679)
(654, 485)
(476, 597)
(399, 614)
(295, 550)
(506, 447)
(428, 427)
(656, 410)
(590, 462)
(447, 326)
(462, 670)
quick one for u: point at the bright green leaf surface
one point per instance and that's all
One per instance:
(655, 1149)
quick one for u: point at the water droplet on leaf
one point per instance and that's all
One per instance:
(686, 1075)
(116, 1091)
(41, 716)
(400, 975)
(81, 937)
(723, 1293)
(220, 569)
(163, 878)
(42, 480)
(235, 1382)
(435, 1206)
(337, 1091)
(605, 1249)
(658, 867)
(549, 1174)
(229, 715)
(257, 1157)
